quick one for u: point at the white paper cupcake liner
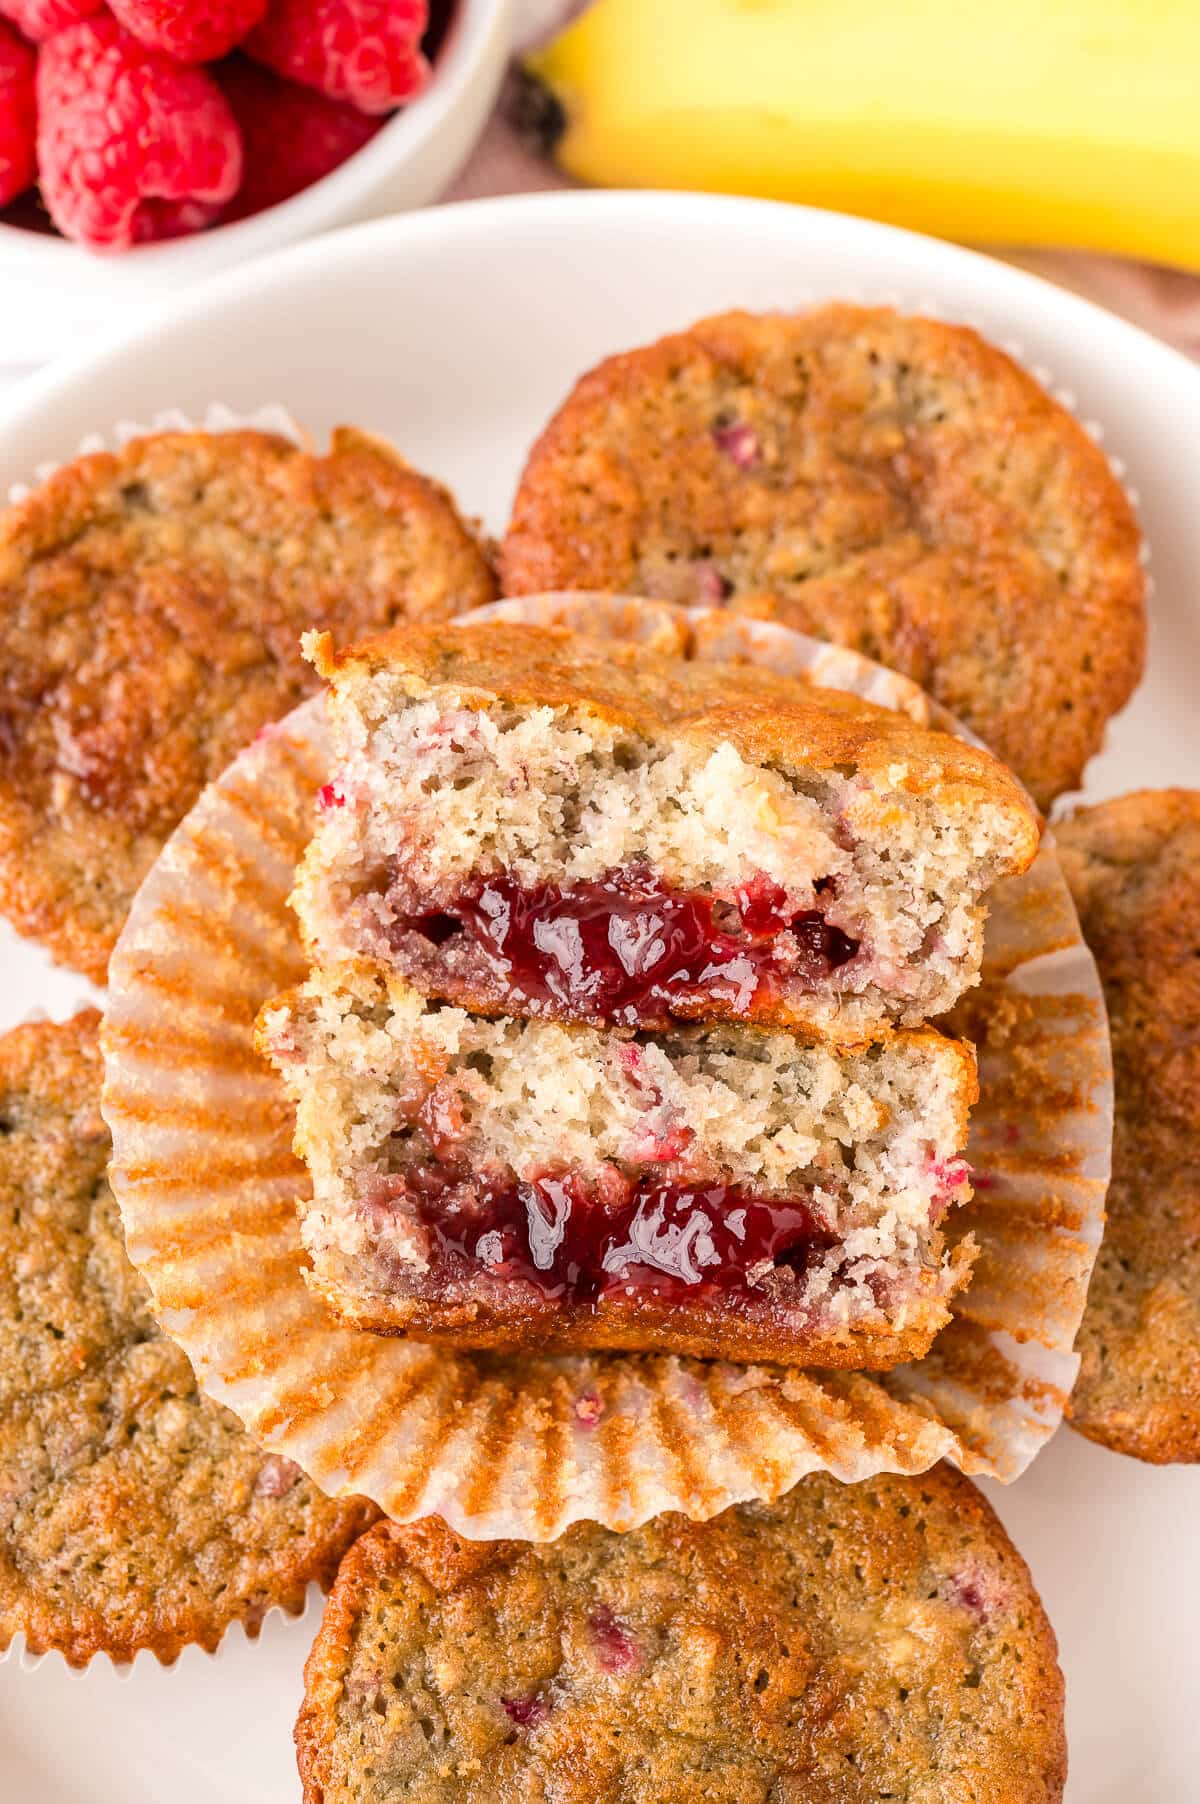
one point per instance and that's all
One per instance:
(204, 1173)
(272, 417)
(17, 1654)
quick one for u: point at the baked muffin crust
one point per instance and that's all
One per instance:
(895, 484)
(1133, 865)
(134, 1512)
(151, 607)
(846, 1644)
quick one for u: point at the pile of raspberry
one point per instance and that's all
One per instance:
(146, 119)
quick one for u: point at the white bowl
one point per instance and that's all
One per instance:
(455, 331)
(409, 162)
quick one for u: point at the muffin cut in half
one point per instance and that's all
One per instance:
(526, 821)
(717, 1190)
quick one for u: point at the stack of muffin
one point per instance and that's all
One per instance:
(614, 1034)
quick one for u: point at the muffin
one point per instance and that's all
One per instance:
(1134, 869)
(847, 1644)
(897, 485)
(713, 1190)
(134, 1512)
(151, 605)
(525, 821)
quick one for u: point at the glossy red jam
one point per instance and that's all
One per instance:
(671, 1241)
(626, 948)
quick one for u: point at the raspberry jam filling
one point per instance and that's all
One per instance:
(643, 1238)
(627, 948)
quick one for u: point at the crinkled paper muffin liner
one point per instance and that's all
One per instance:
(216, 418)
(238, 1630)
(500, 1446)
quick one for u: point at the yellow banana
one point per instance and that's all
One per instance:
(1010, 121)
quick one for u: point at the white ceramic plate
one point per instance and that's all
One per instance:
(455, 332)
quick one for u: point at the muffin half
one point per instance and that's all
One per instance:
(715, 1189)
(526, 821)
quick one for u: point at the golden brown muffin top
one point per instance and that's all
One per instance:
(1134, 869)
(895, 484)
(151, 607)
(134, 1512)
(769, 718)
(846, 1644)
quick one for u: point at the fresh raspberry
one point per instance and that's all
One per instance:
(365, 51)
(156, 220)
(40, 19)
(131, 146)
(192, 31)
(291, 137)
(18, 114)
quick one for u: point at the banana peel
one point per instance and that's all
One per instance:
(1032, 122)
